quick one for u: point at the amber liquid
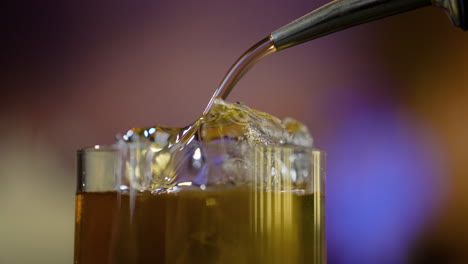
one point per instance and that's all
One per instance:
(195, 226)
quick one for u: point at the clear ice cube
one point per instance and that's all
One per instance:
(219, 148)
(241, 123)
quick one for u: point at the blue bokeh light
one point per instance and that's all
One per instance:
(382, 184)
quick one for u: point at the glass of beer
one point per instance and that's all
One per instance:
(225, 205)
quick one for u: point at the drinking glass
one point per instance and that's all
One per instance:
(228, 204)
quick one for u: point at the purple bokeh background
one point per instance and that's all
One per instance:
(387, 101)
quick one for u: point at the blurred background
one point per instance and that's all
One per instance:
(388, 101)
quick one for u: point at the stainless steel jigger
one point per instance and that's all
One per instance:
(342, 14)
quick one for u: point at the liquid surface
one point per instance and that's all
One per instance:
(212, 226)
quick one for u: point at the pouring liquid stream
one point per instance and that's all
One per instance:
(241, 67)
(179, 138)
(243, 64)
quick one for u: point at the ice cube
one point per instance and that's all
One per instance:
(217, 148)
(241, 123)
(227, 121)
(162, 136)
(298, 134)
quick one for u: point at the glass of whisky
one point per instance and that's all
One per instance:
(225, 204)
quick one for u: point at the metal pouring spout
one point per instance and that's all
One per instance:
(342, 14)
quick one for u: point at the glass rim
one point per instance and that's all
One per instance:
(115, 147)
